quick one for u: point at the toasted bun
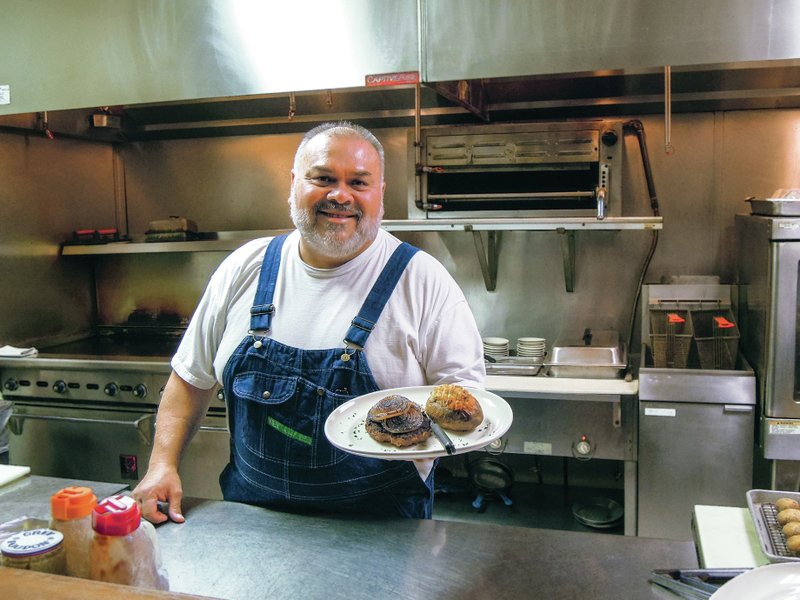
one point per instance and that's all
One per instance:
(454, 408)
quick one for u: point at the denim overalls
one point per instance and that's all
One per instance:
(278, 398)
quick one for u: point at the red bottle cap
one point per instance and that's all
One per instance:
(74, 502)
(116, 515)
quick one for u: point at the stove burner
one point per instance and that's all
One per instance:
(119, 343)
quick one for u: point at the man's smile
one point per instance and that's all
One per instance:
(337, 213)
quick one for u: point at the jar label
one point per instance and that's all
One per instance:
(31, 543)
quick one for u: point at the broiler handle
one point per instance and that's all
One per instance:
(600, 194)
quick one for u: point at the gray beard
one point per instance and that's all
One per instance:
(328, 242)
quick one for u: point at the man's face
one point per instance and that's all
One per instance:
(336, 199)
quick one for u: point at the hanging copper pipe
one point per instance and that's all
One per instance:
(668, 147)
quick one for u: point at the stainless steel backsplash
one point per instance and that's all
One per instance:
(241, 183)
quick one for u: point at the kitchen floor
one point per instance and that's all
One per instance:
(533, 505)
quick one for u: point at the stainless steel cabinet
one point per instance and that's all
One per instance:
(691, 453)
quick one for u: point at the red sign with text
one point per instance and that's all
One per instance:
(384, 79)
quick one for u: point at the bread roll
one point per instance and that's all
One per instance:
(793, 543)
(791, 528)
(454, 408)
(787, 515)
(784, 503)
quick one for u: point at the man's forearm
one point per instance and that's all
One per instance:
(180, 413)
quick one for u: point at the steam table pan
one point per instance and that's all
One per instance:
(785, 207)
(514, 365)
(770, 535)
(603, 358)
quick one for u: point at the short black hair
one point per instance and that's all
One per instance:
(334, 128)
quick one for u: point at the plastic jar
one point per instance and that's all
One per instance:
(71, 514)
(124, 547)
(36, 550)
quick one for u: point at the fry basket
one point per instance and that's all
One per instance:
(670, 337)
(717, 337)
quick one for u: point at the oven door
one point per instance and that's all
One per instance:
(782, 393)
(75, 441)
(206, 456)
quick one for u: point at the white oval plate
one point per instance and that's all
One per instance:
(344, 427)
(779, 581)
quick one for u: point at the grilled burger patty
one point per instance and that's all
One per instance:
(398, 421)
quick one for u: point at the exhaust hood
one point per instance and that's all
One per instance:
(190, 68)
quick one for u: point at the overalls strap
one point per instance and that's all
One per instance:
(262, 310)
(364, 322)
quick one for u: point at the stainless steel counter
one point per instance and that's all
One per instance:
(234, 551)
(30, 495)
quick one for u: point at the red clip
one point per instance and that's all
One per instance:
(675, 318)
(723, 323)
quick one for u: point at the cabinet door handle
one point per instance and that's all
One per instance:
(738, 408)
(215, 428)
(140, 424)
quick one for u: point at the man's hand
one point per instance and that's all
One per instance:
(161, 484)
(180, 412)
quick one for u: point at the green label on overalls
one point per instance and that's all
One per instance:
(288, 431)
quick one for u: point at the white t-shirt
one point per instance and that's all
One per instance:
(426, 334)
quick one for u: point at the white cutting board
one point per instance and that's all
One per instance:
(726, 538)
(9, 473)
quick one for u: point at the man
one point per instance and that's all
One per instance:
(296, 325)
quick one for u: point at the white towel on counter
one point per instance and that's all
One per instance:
(12, 351)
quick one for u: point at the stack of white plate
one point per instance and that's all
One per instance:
(496, 347)
(531, 347)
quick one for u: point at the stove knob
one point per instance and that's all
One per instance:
(140, 390)
(609, 137)
(11, 384)
(583, 449)
(60, 386)
(111, 389)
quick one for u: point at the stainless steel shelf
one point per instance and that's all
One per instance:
(225, 241)
(487, 251)
(526, 224)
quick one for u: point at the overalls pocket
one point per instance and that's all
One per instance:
(281, 419)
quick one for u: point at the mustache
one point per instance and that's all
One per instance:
(330, 205)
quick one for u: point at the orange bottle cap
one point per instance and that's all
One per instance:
(72, 502)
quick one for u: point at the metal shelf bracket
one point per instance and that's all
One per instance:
(568, 255)
(487, 255)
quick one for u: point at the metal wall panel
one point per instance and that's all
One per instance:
(86, 53)
(234, 183)
(49, 188)
(473, 38)
(242, 182)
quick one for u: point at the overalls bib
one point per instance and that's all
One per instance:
(278, 398)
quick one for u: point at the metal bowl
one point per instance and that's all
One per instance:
(598, 513)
